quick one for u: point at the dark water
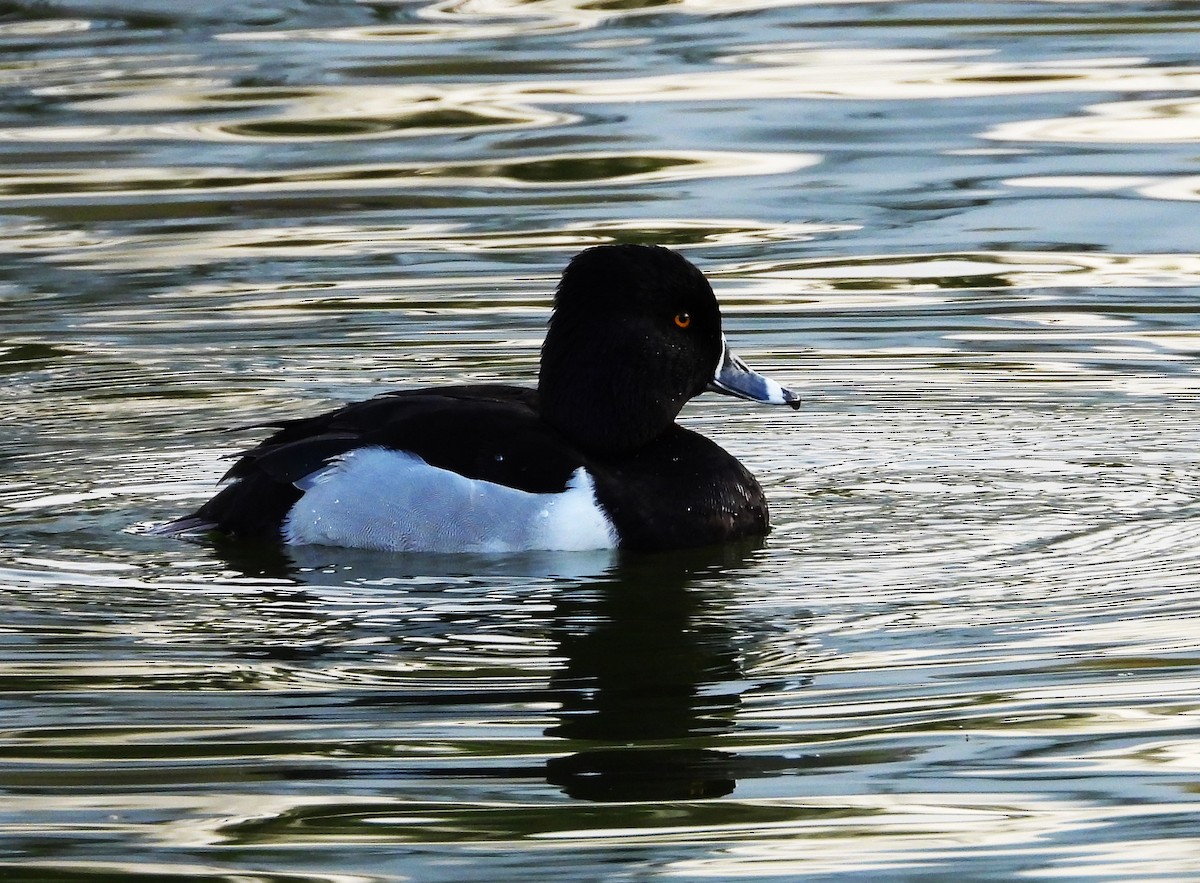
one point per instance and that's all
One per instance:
(968, 232)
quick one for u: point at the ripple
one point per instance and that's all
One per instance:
(564, 170)
(1163, 121)
(73, 76)
(975, 834)
(465, 20)
(804, 71)
(1181, 188)
(42, 28)
(326, 240)
(299, 115)
(923, 74)
(86, 871)
(367, 822)
(1062, 313)
(983, 270)
(768, 72)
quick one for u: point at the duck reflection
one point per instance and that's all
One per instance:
(650, 675)
(650, 651)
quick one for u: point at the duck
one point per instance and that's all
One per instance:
(592, 458)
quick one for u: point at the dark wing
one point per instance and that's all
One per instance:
(482, 432)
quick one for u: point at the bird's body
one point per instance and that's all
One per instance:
(593, 458)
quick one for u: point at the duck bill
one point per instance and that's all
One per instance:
(735, 378)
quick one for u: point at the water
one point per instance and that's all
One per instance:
(966, 231)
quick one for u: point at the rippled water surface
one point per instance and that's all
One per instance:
(968, 233)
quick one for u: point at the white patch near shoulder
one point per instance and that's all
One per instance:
(375, 498)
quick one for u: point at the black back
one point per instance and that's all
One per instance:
(491, 433)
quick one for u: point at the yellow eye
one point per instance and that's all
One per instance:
(683, 320)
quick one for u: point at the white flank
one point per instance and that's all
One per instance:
(375, 498)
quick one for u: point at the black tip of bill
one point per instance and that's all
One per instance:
(733, 377)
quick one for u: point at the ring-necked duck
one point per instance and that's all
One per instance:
(591, 459)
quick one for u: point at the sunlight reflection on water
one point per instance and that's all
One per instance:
(1135, 122)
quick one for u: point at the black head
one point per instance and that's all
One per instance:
(635, 333)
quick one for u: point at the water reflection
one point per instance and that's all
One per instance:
(649, 675)
(975, 623)
(1131, 122)
(288, 114)
(464, 20)
(1185, 188)
(587, 169)
(649, 670)
(302, 240)
(181, 90)
(917, 275)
